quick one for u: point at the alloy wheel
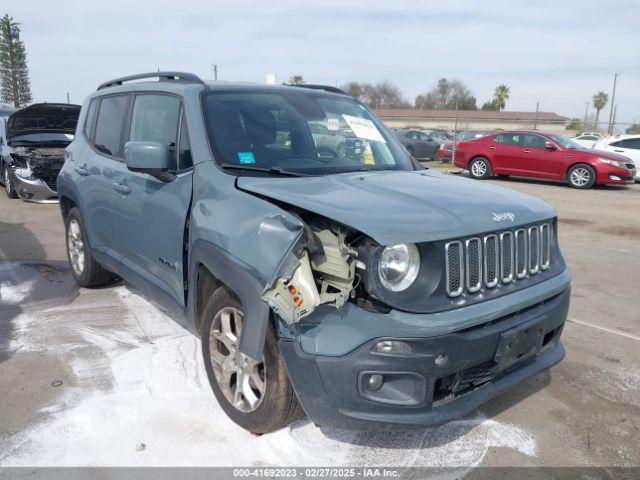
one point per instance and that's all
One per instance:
(479, 168)
(75, 244)
(580, 177)
(241, 379)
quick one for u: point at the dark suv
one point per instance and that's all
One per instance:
(358, 286)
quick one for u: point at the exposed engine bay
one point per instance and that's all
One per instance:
(38, 163)
(327, 272)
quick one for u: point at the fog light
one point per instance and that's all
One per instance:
(374, 382)
(391, 347)
(615, 177)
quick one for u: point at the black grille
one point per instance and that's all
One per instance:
(454, 268)
(51, 183)
(474, 264)
(506, 254)
(630, 166)
(494, 259)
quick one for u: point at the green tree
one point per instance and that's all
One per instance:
(443, 91)
(490, 105)
(634, 129)
(500, 96)
(296, 79)
(600, 99)
(14, 74)
(354, 89)
(574, 124)
(445, 94)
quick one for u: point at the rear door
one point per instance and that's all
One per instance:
(149, 212)
(104, 131)
(506, 153)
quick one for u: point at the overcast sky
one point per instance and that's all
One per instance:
(558, 53)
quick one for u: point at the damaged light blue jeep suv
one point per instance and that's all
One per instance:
(323, 268)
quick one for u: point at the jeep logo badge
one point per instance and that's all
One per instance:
(503, 216)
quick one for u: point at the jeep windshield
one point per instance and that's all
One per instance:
(298, 132)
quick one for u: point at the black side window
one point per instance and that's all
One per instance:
(534, 141)
(508, 138)
(90, 119)
(109, 126)
(184, 145)
(633, 143)
(155, 119)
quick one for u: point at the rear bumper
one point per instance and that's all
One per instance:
(439, 379)
(34, 190)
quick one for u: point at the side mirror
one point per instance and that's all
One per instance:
(550, 146)
(147, 157)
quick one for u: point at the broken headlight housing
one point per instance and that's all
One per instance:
(398, 266)
(22, 167)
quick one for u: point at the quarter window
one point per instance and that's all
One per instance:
(90, 120)
(111, 118)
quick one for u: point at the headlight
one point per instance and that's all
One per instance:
(399, 266)
(613, 162)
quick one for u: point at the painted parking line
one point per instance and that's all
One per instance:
(605, 329)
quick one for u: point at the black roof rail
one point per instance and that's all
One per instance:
(183, 77)
(326, 88)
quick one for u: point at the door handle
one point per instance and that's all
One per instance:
(123, 189)
(83, 170)
(621, 151)
(491, 147)
(526, 151)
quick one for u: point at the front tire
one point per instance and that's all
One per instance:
(257, 396)
(480, 168)
(84, 268)
(581, 176)
(8, 184)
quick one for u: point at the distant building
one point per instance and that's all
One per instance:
(471, 119)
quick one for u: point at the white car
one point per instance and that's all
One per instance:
(587, 139)
(627, 145)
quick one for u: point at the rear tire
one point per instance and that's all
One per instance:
(8, 184)
(84, 268)
(257, 396)
(581, 176)
(480, 168)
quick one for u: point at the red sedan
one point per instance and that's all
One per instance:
(547, 156)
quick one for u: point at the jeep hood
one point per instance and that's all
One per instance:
(402, 206)
(43, 118)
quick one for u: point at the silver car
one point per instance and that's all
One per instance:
(32, 149)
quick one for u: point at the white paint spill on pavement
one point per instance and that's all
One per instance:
(140, 380)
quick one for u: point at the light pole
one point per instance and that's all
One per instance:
(215, 72)
(586, 115)
(613, 99)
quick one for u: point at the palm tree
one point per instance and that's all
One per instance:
(500, 96)
(296, 79)
(600, 99)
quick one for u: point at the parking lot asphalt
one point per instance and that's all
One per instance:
(104, 377)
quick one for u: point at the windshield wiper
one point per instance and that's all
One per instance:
(254, 168)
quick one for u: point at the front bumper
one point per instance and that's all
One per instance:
(611, 175)
(35, 190)
(442, 377)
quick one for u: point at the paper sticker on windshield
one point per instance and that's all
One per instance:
(364, 128)
(333, 123)
(246, 158)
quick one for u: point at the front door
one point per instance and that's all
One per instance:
(149, 212)
(539, 161)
